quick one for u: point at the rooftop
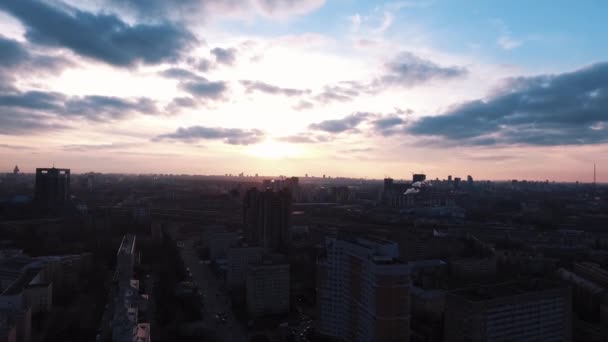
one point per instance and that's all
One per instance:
(505, 290)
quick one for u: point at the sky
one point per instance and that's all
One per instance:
(493, 89)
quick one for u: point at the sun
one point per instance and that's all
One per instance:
(271, 149)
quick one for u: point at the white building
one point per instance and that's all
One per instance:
(239, 259)
(268, 288)
(363, 291)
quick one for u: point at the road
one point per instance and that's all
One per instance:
(215, 298)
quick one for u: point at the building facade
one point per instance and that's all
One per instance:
(534, 310)
(52, 187)
(363, 291)
(268, 288)
(267, 217)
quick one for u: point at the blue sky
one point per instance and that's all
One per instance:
(346, 88)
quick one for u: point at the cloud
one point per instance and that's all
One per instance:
(103, 108)
(90, 107)
(348, 123)
(37, 111)
(96, 147)
(224, 56)
(16, 60)
(15, 147)
(303, 105)
(180, 74)
(263, 87)
(565, 109)
(232, 136)
(408, 70)
(179, 103)
(506, 42)
(199, 87)
(391, 123)
(341, 92)
(104, 37)
(11, 52)
(205, 8)
(305, 139)
(205, 89)
(16, 121)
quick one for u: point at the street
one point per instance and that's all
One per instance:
(215, 299)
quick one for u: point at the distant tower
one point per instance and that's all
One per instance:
(594, 174)
(16, 170)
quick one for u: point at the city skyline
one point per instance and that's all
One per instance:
(344, 88)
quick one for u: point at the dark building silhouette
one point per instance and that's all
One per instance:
(52, 187)
(16, 170)
(267, 216)
(418, 177)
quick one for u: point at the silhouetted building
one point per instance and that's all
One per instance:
(535, 310)
(363, 291)
(52, 187)
(238, 260)
(267, 217)
(418, 177)
(16, 170)
(268, 287)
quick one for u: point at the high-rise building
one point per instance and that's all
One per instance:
(16, 170)
(268, 287)
(267, 216)
(469, 180)
(52, 187)
(238, 261)
(418, 177)
(363, 291)
(534, 310)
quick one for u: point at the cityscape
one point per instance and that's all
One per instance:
(303, 170)
(112, 257)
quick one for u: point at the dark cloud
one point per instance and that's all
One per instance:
(103, 108)
(341, 92)
(199, 87)
(409, 70)
(203, 88)
(392, 123)
(16, 61)
(35, 111)
(232, 136)
(204, 8)
(11, 52)
(180, 74)
(102, 36)
(89, 107)
(252, 86)
(179, 103)
(200, 64)
(16, 121)
(305, 139)
(564, 109)
(224, 56)
(348, 123)
(388, 125)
